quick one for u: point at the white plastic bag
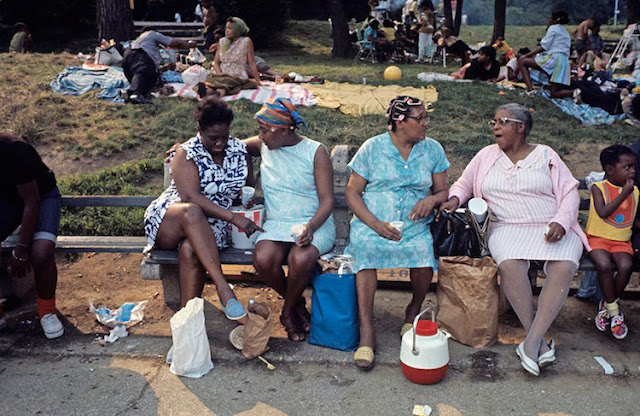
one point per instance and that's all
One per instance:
(191, 352)
(194, 75)
(195, 56)
(109, 56)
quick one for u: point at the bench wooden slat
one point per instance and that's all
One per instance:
(106, 201)
(227, 256)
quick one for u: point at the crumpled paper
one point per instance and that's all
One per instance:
(128, 314)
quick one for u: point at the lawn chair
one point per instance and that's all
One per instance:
(366, 50)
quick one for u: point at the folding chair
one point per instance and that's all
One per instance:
(366, 51)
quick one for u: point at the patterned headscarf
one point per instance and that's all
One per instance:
(239, 27)
(280, 112)
(399, 108)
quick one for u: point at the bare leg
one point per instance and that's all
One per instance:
(517, 288)
(268, 258)
(192, 274)
(366, 284)
(550, 301)
(44, 268)
(560, 91)
(523, 66)
(602, 260)
(420, 281)
(624, 263)
(184, 220)
(302, 261)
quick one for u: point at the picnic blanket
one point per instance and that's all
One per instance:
(298, 94)
(77, 81)
(358, 100)
(589, 116)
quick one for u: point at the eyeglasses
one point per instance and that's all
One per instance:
(504, 120)
(420, 119)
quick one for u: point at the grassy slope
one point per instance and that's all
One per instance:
(120, 148)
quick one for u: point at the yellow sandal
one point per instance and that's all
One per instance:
(366, 355)
(406, 327)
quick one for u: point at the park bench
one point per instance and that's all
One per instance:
(183, 31)
(163, 264)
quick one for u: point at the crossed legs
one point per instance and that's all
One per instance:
(517, 289)
(187, 225)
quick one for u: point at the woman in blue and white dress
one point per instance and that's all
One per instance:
(397, 176)
(297, 180)
(551, 57)
(193, 213)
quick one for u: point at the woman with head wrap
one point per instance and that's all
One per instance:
(399, 175)
(297, 181)
(234, 50)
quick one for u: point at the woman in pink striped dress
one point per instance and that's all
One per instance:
(535, 199)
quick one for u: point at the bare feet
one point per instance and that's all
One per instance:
(294, 332)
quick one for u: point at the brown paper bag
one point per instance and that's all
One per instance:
(256, 330)
(469, 299)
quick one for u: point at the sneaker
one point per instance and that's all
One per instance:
(602, 319)
(577, 96)
(234, 310)
(52, 326)
(618, 327)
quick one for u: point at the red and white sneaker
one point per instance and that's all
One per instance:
(602, 319)
(618, 327)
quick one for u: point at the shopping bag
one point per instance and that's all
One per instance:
(334, 312)
(109, 56)
(191, 353)
(454, 235)
(256, 330)
(468, 299)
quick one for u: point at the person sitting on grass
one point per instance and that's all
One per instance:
(29, 198)
(612, 215)
(484, 67)
(454, 45)
(551, 57)
(193, 213)
(21, 40)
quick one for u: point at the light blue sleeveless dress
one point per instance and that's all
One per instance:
(290, 193)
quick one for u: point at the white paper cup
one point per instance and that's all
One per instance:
(247, 193)
(398, 226)
(296, 231)
(478, 208)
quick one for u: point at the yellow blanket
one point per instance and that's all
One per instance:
(357, 100)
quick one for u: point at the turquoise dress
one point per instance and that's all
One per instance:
(290, 194)
(393, 187)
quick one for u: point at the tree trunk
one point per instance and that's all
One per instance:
(115, 20)
(339, 30)
(448, 15)
(458, 20)
(633, 11)
(499, 19)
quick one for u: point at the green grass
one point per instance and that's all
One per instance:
(120, 148)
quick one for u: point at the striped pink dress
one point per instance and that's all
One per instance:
(521, 196)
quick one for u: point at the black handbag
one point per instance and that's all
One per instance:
(454, 234)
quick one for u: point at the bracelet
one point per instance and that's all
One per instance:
(13, 254)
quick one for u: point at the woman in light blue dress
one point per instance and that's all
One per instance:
(396, 176)
(297, 181)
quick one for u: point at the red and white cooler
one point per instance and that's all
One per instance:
(238, 238)
(424, 353)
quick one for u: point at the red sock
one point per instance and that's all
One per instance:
(46, 306)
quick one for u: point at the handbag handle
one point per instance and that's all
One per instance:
(415, 323)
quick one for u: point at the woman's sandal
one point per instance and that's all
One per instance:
(294, 333)
(365, 356)
(549, 356)
(406, 327)
(304, 317)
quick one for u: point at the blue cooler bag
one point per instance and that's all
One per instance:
(334, 312)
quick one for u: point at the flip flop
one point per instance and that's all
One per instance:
(406, 327)
(364, 354)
